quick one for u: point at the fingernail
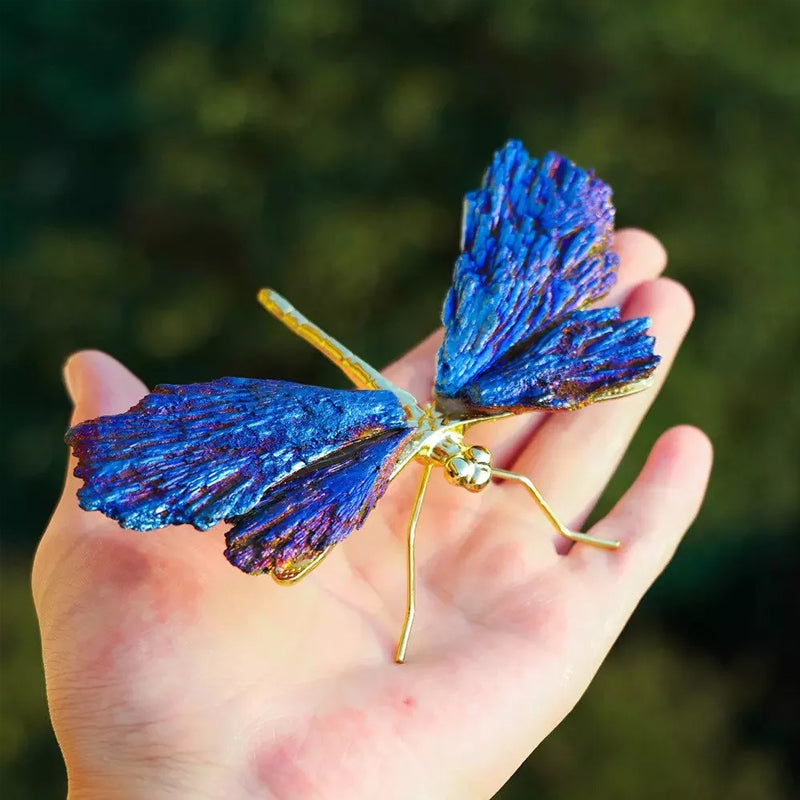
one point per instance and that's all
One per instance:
(72, 378)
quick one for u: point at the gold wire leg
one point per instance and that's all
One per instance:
(400, 656)
(294, 575)
(608, 544)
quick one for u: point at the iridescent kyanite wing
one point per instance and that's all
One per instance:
(315, 508)
(535, 254)
(241, 450)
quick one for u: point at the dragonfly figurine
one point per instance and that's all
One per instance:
(295, 469)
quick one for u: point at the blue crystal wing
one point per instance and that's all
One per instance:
(205, 452)
(314, 508)
(586, 356)
(535, 251)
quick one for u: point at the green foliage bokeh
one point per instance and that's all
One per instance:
(163, 159)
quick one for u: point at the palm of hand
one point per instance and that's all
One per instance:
(170, 674)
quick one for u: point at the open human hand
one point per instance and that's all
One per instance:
(171, 674)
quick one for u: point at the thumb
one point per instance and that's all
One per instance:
(98, 384)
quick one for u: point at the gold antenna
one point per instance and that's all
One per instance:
(357, 370)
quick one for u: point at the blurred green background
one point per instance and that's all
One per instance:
(162, 159)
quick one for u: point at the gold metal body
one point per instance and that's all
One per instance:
(437, 442)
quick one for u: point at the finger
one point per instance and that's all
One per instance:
(415, 371)
(98, 384)
(641, 258)
(649, 520)
(573, 456)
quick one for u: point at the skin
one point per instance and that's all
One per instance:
(170, 674)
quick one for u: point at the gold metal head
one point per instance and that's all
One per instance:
(464, 465)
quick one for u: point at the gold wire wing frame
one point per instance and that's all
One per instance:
(624, 390)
